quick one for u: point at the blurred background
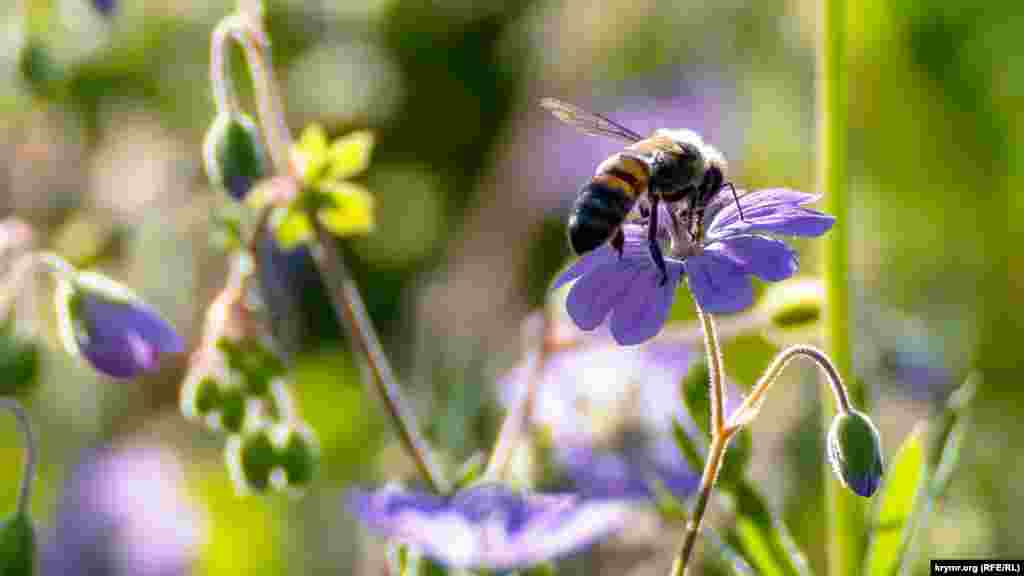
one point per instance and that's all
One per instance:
(101, 122)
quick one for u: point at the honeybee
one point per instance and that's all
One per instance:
(669, 165)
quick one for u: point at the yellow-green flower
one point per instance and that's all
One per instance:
(322, 169)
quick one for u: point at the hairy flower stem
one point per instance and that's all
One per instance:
(846, 532)
(519, 418)
(720, 435)
(31, 452)
(351, 311)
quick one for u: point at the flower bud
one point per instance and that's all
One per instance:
(855, 451)
(17, 546)
(109, 326)
(233, 154)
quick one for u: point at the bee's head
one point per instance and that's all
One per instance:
(684, 166)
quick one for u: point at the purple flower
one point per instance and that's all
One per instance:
(630, 291)
(124, 511)
(609, 413)
(112, 328)
(488, 526)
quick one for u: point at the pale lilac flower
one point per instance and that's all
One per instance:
(488, 526)
(124, 511)
(609, 413)
(629, 289)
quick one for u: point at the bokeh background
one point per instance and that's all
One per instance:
(100, 133)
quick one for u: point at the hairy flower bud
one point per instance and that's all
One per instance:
(109, 326)
(855, 451)
(282, 456)
(233, 154)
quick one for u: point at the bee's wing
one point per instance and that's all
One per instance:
(588, 122)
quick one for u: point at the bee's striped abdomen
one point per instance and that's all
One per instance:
(605, 201)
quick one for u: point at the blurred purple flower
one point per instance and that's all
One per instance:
(718, 266)
(609, 412)
(115, 331)
(489, 526)
(124, 511)
(105, 7)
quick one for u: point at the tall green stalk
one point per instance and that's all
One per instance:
(846, 511)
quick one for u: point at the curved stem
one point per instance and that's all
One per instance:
(351, 311)
(248, 31)
(780, 361)
(31, 452)
(519, 418)
(220, 66)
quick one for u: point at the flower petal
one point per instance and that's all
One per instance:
(768, 259)
(350, 209)
(792, 222)
(718, 284)
(640, 316)
(594, 295)
(349, 155)
(771, 210)
(123, 339)
(585, 265)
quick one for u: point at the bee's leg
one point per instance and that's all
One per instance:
(619, 241)
(652, 241)
(736, 199)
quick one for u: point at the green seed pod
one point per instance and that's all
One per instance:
(855, 451)
(251, 460)
(17, 546)
(233, 154)
(300, 456)
(282, 456)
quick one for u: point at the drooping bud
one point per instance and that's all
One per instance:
(17, 546)
(855, 452)
(282, 456)
(233, 154)
(108, 325)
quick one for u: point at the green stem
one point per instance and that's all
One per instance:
(348, 304)
(720, 435)
(845, 511)
(31, 451)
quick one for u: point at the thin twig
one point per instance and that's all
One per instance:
(351, 311)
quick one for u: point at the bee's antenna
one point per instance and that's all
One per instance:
(736, 198)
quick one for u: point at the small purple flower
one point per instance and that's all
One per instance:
(718, 266)
(112, 328)
(488, 526)
(124, 511)
(609, 412)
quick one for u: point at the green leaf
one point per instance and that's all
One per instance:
(349, 155)
(894, 524)
(471, 471)
(759, 536)
(737, 457)
(696, 395)
(693, 455)
(17, 546)
(722, 557)
(291, 228)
